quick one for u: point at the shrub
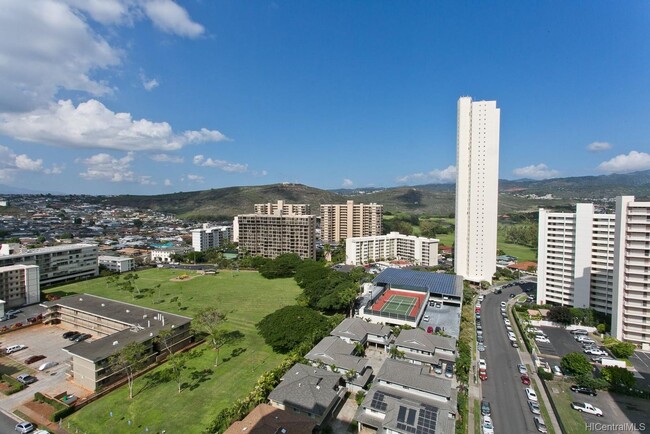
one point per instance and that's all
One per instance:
(576, 364)
(601, 328)
(618, 377)
(544, 374)
(359, 397)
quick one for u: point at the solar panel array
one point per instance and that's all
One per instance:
(426, 419)
(437, 283)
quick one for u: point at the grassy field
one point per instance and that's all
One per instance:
(571, 419)
(157, 405)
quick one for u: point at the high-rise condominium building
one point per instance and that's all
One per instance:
(283, 208)
(341, 221)
(576, 258)
(56, 264)
(19, 285)
(273, 235)
(209, 237)
(362, 250)
(631, 309)
(477, 189)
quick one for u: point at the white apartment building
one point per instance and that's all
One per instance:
(209, 237)
(56, 264)
(166, 255)
(20, 285)
(631, 309)
(118, 264)
(576, 258)
(363, 250)
(477, 189)
(273, 235)
(342, 221)
(282, 208)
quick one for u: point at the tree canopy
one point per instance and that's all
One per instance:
(289, 326)
(325, 289)
(283, 266)
(576, 364)
(560, 314)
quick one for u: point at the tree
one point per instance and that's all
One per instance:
(618, 377)
(210, 321)
(290, 326)
(128, 284)
(560, 314)
(177, 363)
(621, 349)
(283, 266)
(396, 353)
(576, 364)
(130, 360)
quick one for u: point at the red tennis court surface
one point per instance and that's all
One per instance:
(419, 297)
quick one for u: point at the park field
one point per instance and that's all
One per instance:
(245, 296)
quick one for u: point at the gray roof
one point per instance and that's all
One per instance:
(414, 377)
(311, 389)
(420, 340)
(357, 329)
(334, 351)
(434, 283)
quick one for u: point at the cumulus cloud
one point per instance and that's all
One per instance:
(195, 178)
(200, 160)
(171, 18)
(148, 83)
(626, 163)
(598, 146)
(12, 164)
(536, 171)
(92, 125)
(447, 174)
(104, 167)
(347, 183)
(166, 158)
(168, 182)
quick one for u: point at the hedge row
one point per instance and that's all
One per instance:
(16, 386)
(62, 410)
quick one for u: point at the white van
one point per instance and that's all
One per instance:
(14, 348)
(578, 332)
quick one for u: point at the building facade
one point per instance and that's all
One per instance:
(118, 264)
(282, 208)
(631, 308)
(477, 189)
(273, 235)
(20, 285)
(56, 264)
(342, 221)
(576, 258)
(363, 250)
(209, 237)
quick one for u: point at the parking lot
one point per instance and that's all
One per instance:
(641, 362)
(562, 342)
(617, 409)
(39, 340)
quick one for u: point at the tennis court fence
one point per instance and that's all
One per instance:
(399, 316)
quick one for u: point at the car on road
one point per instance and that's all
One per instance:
(488, 426)
(534, 407)
(506, 321)
(430, 330)
(26, 379)
(478, 316)
(530, 394)
(503, 304)
(522, 369)
(480, 348)
(480, 339)
(539, 424)
(479, 326)
(34, 359)
(67, 334)
(525, 380)
(581, 389)
(24, 427)
(481, 298)
(482, 364)
(542, 340)
(585, 407)
(486, 410)
(483, 375)
(47, 365)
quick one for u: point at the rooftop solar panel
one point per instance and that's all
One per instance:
(435, 283)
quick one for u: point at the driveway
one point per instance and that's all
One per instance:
(617, 409)
(562, 342)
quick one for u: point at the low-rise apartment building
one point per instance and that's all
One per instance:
(117, 264)
(19, 285)
(363, 250)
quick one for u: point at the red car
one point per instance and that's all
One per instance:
(34, 359)
(482, 375)
(525, 379)
(430, 330)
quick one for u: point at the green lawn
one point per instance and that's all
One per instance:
(571, 419)
(542, 406)
(157, 405)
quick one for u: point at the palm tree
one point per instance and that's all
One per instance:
(395, 353)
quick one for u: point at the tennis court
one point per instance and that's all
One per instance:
(399, 304)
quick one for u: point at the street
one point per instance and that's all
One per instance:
(7, 424)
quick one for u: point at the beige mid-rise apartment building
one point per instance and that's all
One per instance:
(273, 235)
(19, 285)
(283, 208)
(363, 250)
(342, 221)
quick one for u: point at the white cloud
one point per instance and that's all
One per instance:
(538, 171)
(200, 160)
(195, 178)
(347, 183)
(104, 167)
(599, 146)
(435, 176)
(626, 163)
(11, 164)
(168, 182)
(166, 158)
(170, 17)
(92, 125)
(259, 173)
(149, 84)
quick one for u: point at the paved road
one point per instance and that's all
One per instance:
(503, 388)
(7, 424)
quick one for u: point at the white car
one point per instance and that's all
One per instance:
(596, 352)
(482, 364)
(47, 365)
(531, 395)
(488, 426)
(503, 304)
(542, 339)
(522, 369)
(506, 321)
(585, 407)
(481, 298)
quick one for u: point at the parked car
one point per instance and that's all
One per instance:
(13, 348)
(449, 371)
(534, 407)
(483, 375)
(488, 426)
(525, 379)
(585, 407)
(577, 332)
(480, 347)
(83, 337)
(485, 408)
(430, 330)
(585, 390)
(437, 368)
(41, 431)
(506, 322)
(13, 312)
(426, 318)
(514, 344)
(67, 334)
(557, 371)
(539, 424)
(480, 339)
(26, 379)
(530, 394)
(596, 352)
(542, 340)
(34, 359)
(47, 365)
(25, 427)
(74, 336)
(482, 364)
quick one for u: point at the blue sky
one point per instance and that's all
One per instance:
(156, 96)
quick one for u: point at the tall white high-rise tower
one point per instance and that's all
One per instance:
(477, 189)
